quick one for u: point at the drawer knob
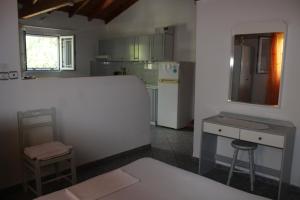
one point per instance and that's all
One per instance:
(259, 138)
(220, 130)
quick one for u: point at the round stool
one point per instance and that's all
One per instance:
(243, 146)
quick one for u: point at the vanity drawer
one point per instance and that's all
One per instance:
(262, 138)
(221, 130)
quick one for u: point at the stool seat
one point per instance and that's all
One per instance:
(243, 145)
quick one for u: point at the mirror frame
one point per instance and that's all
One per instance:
(256, 28)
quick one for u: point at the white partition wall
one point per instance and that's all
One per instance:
(99, 116)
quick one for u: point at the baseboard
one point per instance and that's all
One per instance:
(153, 123)
(113, 157)
(272, 171)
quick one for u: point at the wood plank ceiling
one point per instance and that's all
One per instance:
(106, 10)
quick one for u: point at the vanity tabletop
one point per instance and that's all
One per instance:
(258, 124)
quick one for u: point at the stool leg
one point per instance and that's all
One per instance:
(251, 169)
(235, 154)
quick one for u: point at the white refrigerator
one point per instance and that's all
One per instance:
(175, 94)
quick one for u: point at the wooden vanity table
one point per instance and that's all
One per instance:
(268, 132)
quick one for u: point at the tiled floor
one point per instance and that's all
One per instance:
(172, 147)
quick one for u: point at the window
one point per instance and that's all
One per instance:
(66, 52)
(49, 53)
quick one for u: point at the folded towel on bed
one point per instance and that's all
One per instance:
(101, 186)
(47, 150)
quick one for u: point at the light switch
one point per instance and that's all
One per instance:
(4, 76)
(13, 75)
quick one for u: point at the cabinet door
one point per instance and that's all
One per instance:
(157, 48)
(136, 48)
(118, 50)
(129, 49)
(162, 47)
(133, 46)
(107, 47)
(103, 47)
(168, 47)
(144, 48)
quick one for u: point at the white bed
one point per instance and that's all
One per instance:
(160, 181)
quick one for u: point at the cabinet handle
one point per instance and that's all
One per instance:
(220, 130)
(136, 49)
(259, 138)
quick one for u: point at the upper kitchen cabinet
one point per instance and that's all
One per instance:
(127, 48)
(117, 49)
(168, 47)
(105, 48)
(161, 47)
(157, 47)
(118, 52)
(134, 49)
(144, 47)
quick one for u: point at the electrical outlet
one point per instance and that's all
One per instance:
(4, 76)
(13, 75)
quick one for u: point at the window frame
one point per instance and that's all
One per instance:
(61, 67)
(58, 36)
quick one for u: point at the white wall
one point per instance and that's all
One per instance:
(9, 54)
(98, 116)
(146, 15)
(86, 35)
(215, 19)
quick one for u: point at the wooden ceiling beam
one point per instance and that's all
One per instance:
(103, 4)
(26, 3)
(106, 10)
(43, 7)
(78, 8)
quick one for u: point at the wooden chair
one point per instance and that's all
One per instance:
(40, 147)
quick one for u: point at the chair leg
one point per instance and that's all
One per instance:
(73, 169)
(251, 169)
(38, 178)
(236, 151)
(24, 175)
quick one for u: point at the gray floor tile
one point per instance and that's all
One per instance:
(174, 147)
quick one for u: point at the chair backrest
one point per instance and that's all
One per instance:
(37, 127)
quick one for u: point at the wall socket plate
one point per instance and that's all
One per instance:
(13, 75)
(4, 76)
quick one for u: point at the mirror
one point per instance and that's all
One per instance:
(256, 68)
